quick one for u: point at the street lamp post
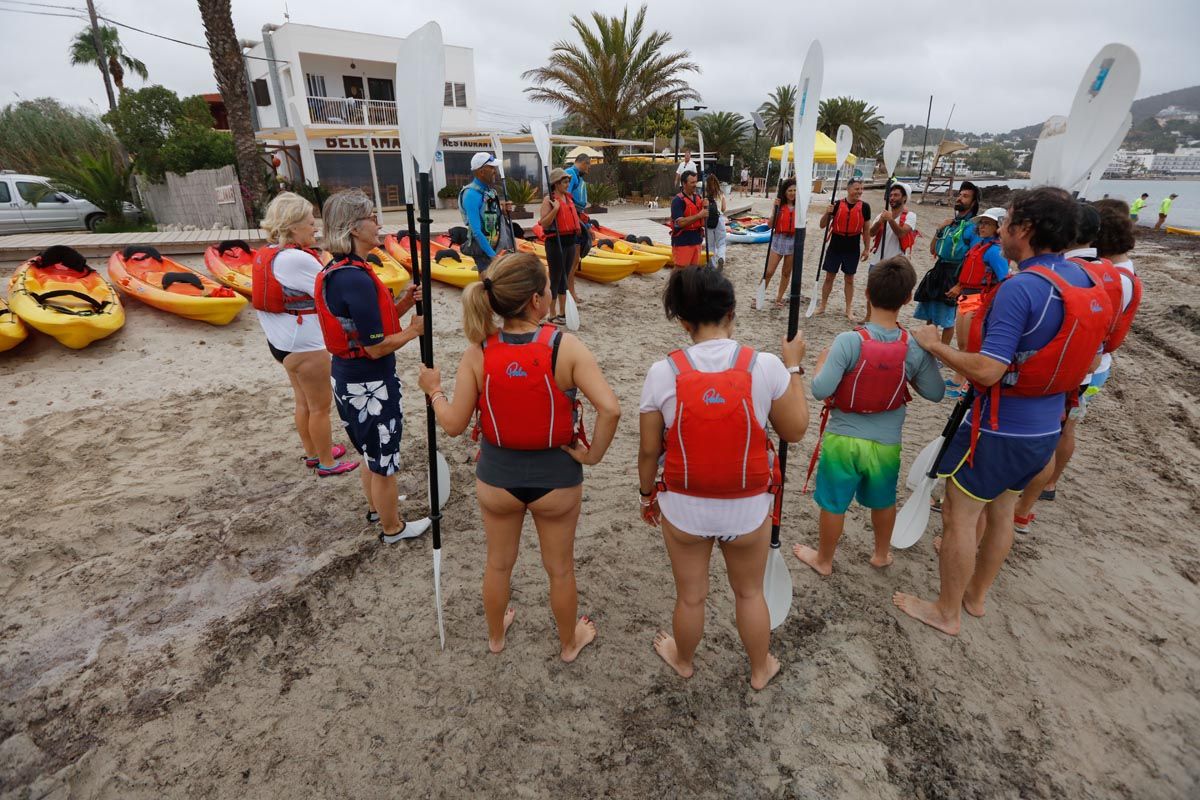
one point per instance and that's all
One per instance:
(678, 112)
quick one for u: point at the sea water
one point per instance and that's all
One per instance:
(1185, 212)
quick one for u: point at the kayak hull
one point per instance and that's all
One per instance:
(445, 270)
(599, 269)
(12, 329)
(73, 324)
(233, 270)
(646, 263)
(1183, 231)
(214, 303)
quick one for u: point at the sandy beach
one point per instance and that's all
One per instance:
(188, 612)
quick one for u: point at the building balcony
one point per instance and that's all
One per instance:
(351, 111)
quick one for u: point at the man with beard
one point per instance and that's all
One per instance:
(845, 221)
(894, 230)
(482, 210)
(949, 247)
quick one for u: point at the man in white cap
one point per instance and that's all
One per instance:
(481, 210)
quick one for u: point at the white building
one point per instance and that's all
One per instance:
(1128, 163)
(1175, 114)
(1184, 161)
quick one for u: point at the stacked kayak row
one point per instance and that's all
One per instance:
(748, 230)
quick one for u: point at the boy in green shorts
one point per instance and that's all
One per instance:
(863, 377)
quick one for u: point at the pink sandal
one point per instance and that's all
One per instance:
(338, 452)
(340, 468)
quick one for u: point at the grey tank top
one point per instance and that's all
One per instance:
(527, 469)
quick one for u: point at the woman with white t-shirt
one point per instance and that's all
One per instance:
(709, 405)
(285, 275)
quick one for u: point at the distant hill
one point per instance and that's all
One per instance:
(1142, 109)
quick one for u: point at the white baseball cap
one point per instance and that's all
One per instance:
(481, 160)
(996, 214)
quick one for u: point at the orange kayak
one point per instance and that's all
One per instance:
(231, 263)
(167, 285)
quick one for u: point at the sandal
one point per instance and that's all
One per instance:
(1047, 494)
(935, 506)
(338, 452)
(339, 468)
(408, 530)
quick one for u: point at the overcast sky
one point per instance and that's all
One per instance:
(1005, 64)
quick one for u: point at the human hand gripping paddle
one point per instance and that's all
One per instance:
(541, 140)
(777, 582)
(1099, 111)
(845, 140)
(891, 156)
(420, 84)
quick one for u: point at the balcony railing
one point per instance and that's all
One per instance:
(351, 111)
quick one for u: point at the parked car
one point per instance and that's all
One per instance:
(54, 211)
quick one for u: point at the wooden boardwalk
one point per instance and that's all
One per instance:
(19, 247)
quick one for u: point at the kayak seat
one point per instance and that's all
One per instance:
(451, 254)
(188, 283)
(89, 306)
(629, 237)
(62, 256)
(233, 244)
(645, 240)
(372, 258)
(608, 244)
(141, 252)
(458, 235)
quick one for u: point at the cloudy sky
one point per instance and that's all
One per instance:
(1004, 64)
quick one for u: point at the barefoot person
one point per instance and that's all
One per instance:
(846, 227)
(285, 272)
(688, 212)
(863, 377)
(360, 322)
(710, 404)
(1040, 336)
(1106, 233)
(1164, 208)
(894, 230)
(522, 378)
(560, 222)
(783, 239)
(1138, 205)
(983, 268)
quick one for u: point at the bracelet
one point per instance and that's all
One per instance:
(645, 494)
(648, 501)
(439, 393)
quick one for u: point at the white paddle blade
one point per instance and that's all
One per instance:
(420, 92)
(572, 313)
(922, 463)
(777, 587)
(437, 594)
(541, 140)
(891, 151)
(812, 301)
(1106, 157)
(804, 125)
(496, 146)
(913, 517)
(700, 142)
(443, 478)
(1047, 153)
(843, 143)
(1101, 103)
(760, 295)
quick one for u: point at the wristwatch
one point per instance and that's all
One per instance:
(796, 370)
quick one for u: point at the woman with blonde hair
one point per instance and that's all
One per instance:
(285, 271)
(522, 377)
(360, 322)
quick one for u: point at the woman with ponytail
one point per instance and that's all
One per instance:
(522, 376)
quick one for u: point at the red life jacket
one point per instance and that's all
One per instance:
(974, 273)
(877, 381)
(716, 446)
(341, 337)
(847, 220)
(1109, 275)
(906, 241)
(566, 221)
(521, 406)
(785, 220)
(691, 207)
(268, 294)
(1061, 365)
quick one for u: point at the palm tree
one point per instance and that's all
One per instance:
(83, 51)
(101, 178)
(862, 119)
(777, 113)
(231, 82)
(723, 131)
(615, 73)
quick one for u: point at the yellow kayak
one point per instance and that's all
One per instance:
(393, 274)
(69, 301)
(231, 262)
(169, 286)
(647, 263)
(594, 268)
(12, 329)
(1183, 231)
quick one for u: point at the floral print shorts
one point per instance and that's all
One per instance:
(374, 420)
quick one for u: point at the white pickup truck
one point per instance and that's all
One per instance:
(55, 211)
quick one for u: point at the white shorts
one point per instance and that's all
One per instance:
(712, 518)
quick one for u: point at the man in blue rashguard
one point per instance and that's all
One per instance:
(481, 210)
(985, 473)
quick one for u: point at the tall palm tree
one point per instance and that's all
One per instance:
(723, 131)
(862, 119)
(231, 82)
(83, 51)
(777, 113)
(615, 73)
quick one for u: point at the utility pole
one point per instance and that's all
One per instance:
(925, 141)
(101, 56)
(678, 103)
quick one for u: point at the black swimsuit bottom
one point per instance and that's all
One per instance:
(528, 495)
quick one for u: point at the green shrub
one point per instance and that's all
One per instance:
(520, 193)
(34, 133)
(601, 193)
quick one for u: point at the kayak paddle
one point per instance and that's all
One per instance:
(420, 87)
(703, 193)
(845, 140)
(760, 294)
(914, 514)
(891, 156)
(1101, 103)
(1102, 162)
(777, 582)
(1047, 153)
(541, 140)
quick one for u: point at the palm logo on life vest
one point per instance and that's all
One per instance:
(514, 371)
(712, 397)
(1096, 307)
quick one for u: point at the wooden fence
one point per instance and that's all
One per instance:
(204, 198)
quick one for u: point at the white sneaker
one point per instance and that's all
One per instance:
(411, 530)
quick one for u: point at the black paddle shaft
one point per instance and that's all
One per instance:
(416, 261)
(770, 241)
(829, 229)
(956, 417)
(424, 196)
(566, 268)
(793, 327)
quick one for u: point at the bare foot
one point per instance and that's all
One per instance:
(509, 616)
(849, 315)
(664, 645)
(813, 559)
(925, 611)
(759, 682)
(585, 632)
(880, 563)
(973, 607)
(937, 545)
(820, 309)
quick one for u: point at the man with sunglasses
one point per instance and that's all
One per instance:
(481, 210)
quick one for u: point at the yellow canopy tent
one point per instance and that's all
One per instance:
(584, 150)
(825, 151)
